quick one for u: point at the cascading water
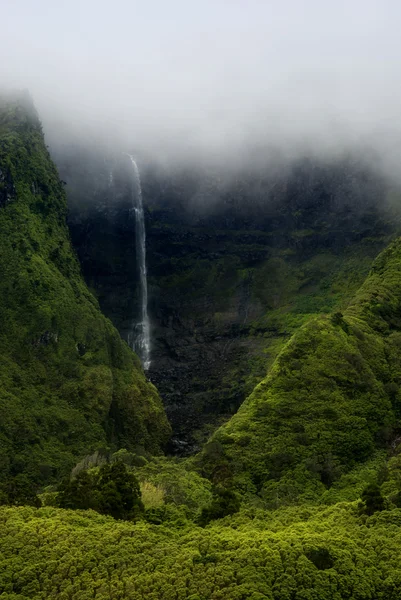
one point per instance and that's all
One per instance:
(139, 338)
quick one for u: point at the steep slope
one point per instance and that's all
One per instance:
(331, 400)
(68, 383)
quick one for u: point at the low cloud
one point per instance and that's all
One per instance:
(212, 78)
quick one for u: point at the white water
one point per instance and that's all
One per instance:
(139, 338)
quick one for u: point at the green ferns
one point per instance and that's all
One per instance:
(68, 384)
(330, 401)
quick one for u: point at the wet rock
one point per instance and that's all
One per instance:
(7, 188)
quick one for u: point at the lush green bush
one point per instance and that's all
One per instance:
(224, 502)
(111, 490)
(372, 500)
(175, 483)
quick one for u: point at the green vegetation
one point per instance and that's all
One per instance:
(293, 290)
(304, 553)
(239, 302)
(330, 401)
(347, 551)
(68, 384)
(111, 490)
(173, 482)
(225, 502)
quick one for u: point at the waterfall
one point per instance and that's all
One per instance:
(139, 339)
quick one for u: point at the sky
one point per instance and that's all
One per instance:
(210, 75)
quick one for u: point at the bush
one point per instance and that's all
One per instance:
(372, 500)
(112, 490)
(225, 502)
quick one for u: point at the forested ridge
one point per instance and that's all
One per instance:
(331, 399)
(296, 497)
(68, 384)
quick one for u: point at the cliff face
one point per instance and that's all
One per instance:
(68, 383)
(236, 263)
(235, 268)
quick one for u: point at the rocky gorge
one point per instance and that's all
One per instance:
(237, 260)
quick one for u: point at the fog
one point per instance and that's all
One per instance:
(213, 76)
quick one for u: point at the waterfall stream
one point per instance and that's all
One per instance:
(139, 339)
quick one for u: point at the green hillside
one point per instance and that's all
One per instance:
(330, 401)
(68, 384)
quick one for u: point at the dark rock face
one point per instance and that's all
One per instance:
(198, 363)
(218, 267)
(200, 310)
(7, 189)
(227, 256)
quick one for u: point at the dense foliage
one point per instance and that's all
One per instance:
(293, 554)
(68, 384)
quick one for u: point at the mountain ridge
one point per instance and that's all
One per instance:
(330, 401)
(69, 384)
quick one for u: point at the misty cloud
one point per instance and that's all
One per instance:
(211, 76)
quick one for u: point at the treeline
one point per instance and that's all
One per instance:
(300, 553)
(113, 489)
